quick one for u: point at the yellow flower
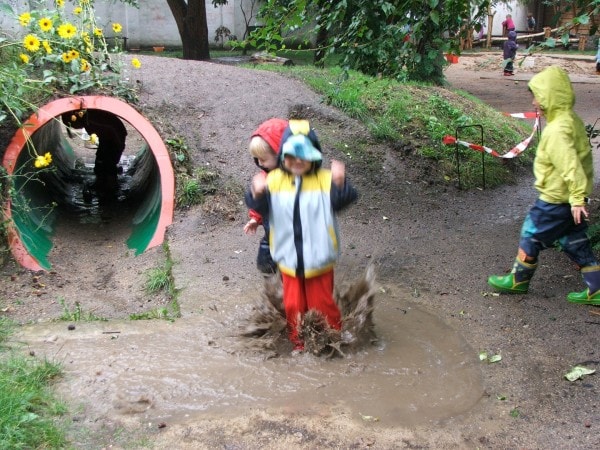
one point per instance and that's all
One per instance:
(67, 31)
(73, 54)
(24, 58)
(136, 63)
(93, 138)
(31, 43)
(46, 45)
(42, 161)
(77, 10)
(98, 32)
(45, 24)
(60, 3)
(24, 19)
(66, 57)
(117, 28)
(85, 66)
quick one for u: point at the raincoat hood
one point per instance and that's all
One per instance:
(553, 91)
(300, 131)
(272, 131)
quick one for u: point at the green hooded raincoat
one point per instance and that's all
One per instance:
(563, 165)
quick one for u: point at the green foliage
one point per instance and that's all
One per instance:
(405, 40)
(159, 279)
(60, 51)
(191, 189)
(583, 11)
(76, 314)
(418, 116)
(28, 409)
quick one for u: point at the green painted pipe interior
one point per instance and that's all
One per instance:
(35, 191)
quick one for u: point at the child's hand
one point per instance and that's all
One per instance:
(259, 185)
(338, 173)
(251, 226)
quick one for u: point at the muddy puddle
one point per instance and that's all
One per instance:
(168, 372)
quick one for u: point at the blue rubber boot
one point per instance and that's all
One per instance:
(591, 296)
(517, 281)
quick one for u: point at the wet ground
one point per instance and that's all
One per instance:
(194, 384)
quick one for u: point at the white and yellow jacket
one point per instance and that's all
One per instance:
(303, 237)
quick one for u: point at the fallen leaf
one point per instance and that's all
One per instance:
(578, 372)
(495, 358)
(369, 418)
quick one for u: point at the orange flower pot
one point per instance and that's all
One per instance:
(452, 59)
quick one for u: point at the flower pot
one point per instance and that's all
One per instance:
(452, 59)
(158, 49)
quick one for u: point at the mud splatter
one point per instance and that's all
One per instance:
(268, 330)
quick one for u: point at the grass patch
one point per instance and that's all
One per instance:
(76, 314)
(29, 412)
(419, 116)
(160, 279)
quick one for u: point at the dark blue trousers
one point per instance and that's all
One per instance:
(550, 225)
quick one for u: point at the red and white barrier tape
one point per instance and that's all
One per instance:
(512, 153)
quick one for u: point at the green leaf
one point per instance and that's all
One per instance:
(578, 372)
(584, 19)
(495, 359)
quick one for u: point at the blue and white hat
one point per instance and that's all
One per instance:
(300, 141)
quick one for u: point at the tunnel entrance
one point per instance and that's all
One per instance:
(89, 177)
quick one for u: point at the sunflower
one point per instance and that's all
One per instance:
(42, 161)
(47, 47)
(73, 54)
(67, 30)
(66, 57)
(45, 24)
(60, 3)
(24, 19)
(98, 32)
(85, 66)
(117, 27)
(136, 63)
(77, 10)
(31, 43)
(24, 58)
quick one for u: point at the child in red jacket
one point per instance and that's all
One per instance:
(301, 200)
(264, 148)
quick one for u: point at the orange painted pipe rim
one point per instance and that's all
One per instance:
(118, 108)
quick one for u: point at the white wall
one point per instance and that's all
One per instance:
(519, 16)
(150, 24)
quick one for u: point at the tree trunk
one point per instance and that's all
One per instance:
(490, 15)
(190, 17)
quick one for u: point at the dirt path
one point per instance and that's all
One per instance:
(192, 384)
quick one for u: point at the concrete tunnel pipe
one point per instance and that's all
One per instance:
(30, 236)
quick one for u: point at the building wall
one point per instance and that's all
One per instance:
(149, 25)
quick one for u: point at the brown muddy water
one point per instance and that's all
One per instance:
(420, 371)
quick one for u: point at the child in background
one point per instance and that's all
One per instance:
(300, 199)
(510, 53)
(264, 148)
(508, 25)
(530, 23)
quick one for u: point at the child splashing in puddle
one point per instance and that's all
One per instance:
(300, 199)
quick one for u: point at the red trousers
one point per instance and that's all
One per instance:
(302, 294)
